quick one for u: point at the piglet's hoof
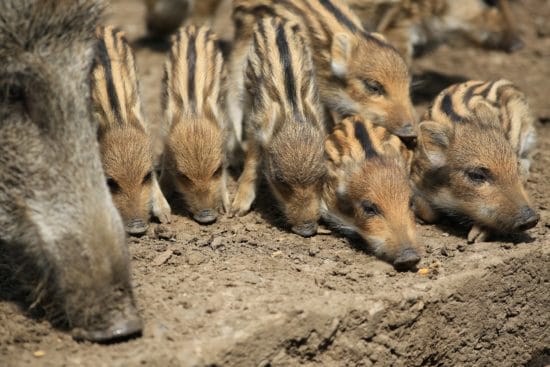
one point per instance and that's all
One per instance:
(477, 234)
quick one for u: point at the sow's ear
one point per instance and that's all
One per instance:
(340, 53)
(434, 139)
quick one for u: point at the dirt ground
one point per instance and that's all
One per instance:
(246, 292)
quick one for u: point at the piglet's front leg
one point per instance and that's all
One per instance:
(477, 234)
(424, 211)
(246, 193)
(160, 207)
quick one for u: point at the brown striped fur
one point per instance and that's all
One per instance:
(284, 125)
(368, 189)
(125, 143)
(357, 72)
(474, 151)
(409, 24)
(194, 158)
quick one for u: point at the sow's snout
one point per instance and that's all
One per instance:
(117, 325)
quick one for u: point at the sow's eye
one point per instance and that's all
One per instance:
(374, 87)
(370, 209)
(478, 175)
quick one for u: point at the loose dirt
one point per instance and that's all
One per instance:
(246, 292)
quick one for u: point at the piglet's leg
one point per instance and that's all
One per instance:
(160, 207)
(424, 211)
(246, 193)
(226, 206)
(477, 234)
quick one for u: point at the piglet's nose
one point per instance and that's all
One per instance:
(527, 219)
(136, 227)
(406, 131)
(206, 216)
(513, 44)
(407, 259)
(306, 229)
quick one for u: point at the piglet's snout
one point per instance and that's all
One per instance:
(526, 219)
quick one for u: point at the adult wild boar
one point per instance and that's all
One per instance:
(55, 208)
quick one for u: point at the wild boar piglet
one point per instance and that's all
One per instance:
(358, 73)
(124, 138)
(284, 125)
(415, 25)
(194, 164)
(473, 157)
(368, 190)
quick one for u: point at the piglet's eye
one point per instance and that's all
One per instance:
(113, 185)
(478, 175)
(282, 184)
(218, 171)
(491, 3)
(411, 203)
(183, 178)
(147, 178)
(374, 87)
(370, 209)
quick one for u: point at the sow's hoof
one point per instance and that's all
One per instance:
(119, 330)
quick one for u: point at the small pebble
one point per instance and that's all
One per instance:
(164, 233)
(313, 251)
(216, 243)
(196, 258)
(423, 271)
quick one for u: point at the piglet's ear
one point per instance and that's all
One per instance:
(332, 154)
(394, 148)
(487, 115)
(379, 36)
(340, 54)
(434, 139)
